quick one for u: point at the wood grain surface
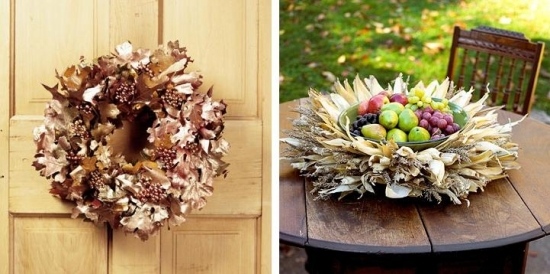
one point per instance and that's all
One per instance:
(374, 224)
(531, 181)
(292, 216)
(494, 218)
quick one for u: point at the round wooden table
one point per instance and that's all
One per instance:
(380, 235)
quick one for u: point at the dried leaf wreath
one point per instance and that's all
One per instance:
(339, 163)
(170, 173)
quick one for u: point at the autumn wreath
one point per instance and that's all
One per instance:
(130, 140)
(341, 162)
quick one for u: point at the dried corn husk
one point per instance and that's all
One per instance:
(342, 164)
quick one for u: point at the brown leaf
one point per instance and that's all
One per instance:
(74, 79)
(108, 111)
(341, 59)
(164, 142)
(433, 47)
(88, 163)
(102, 130)
(329, 76)
(56, 93)
(53, 163)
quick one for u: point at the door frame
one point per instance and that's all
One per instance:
(5, 107)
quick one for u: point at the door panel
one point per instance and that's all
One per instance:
(46, 41)
(231, 234)
(225, 41)
(58, 245)
(135, 21)
(221, 245)
(128, 254)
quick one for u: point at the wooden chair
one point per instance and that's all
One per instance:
(506, 61)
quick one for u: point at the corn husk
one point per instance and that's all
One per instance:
(340, 164)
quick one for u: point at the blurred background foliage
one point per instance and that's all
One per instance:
(324, 40)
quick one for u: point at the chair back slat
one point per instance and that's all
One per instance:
(509, 82)
(485, 81)
(504, 61)
(497, 87)
(475, 72)
(462, 67)
(517, 91)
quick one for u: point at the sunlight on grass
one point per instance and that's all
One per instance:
(344, 38)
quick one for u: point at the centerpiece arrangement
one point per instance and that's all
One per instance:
(426, 141)
(131, 141)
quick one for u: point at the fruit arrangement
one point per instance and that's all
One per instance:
(338, 161)
(412, 117)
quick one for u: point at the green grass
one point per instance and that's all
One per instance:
(385, 38)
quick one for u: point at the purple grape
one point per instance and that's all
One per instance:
(456, 127)
(418, 113)
(424, 123)
(442, 124)
(426, 115)
(449, 129)
(433, 121)
(437, 114)
(448, 118)
(428, 109)
(437, 136)
(435, 131)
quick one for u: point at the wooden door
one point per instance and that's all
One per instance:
(230, 42)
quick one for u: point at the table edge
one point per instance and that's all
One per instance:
(291, 239)
(520, 238)
(333, 246)
(433, 248)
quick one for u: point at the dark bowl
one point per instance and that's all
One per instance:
(459, 116)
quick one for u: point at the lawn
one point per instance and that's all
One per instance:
(324, 40)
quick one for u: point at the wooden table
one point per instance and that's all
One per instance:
(380, 235)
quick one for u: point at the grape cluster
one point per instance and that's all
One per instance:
(151, 191)
(173, 98)
(96, 180)
(438, 123)
(78, 129)
(366, 119)
(124, 91)
(166, 156)
(418, 99)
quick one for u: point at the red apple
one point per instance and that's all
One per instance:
(362, 109)
(400, 98)
(385, 93)
(376, 102)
